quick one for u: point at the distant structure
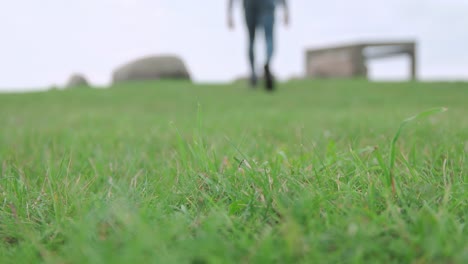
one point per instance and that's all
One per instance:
(349, 61)
(152, 68)
(77, 80)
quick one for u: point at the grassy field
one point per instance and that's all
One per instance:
(170, 172)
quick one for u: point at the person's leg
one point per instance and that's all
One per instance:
(251, 18)
(268, 21)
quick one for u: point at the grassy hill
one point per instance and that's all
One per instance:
(170, 172)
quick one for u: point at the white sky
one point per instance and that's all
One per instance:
(42, 42)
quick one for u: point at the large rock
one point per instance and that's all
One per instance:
(77, 80)
(152, 68)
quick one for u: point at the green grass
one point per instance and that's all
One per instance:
(169, 172)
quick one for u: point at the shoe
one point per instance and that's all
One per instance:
(269, 82)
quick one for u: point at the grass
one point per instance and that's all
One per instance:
(169, 172)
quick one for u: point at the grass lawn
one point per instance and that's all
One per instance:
(170, 172)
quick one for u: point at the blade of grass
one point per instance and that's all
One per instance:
(391, 163)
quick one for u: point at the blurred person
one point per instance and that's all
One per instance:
(260, 13)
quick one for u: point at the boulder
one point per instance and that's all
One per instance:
(77, 80)
(152, 68)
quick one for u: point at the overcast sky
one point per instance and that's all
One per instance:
(42, 42)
